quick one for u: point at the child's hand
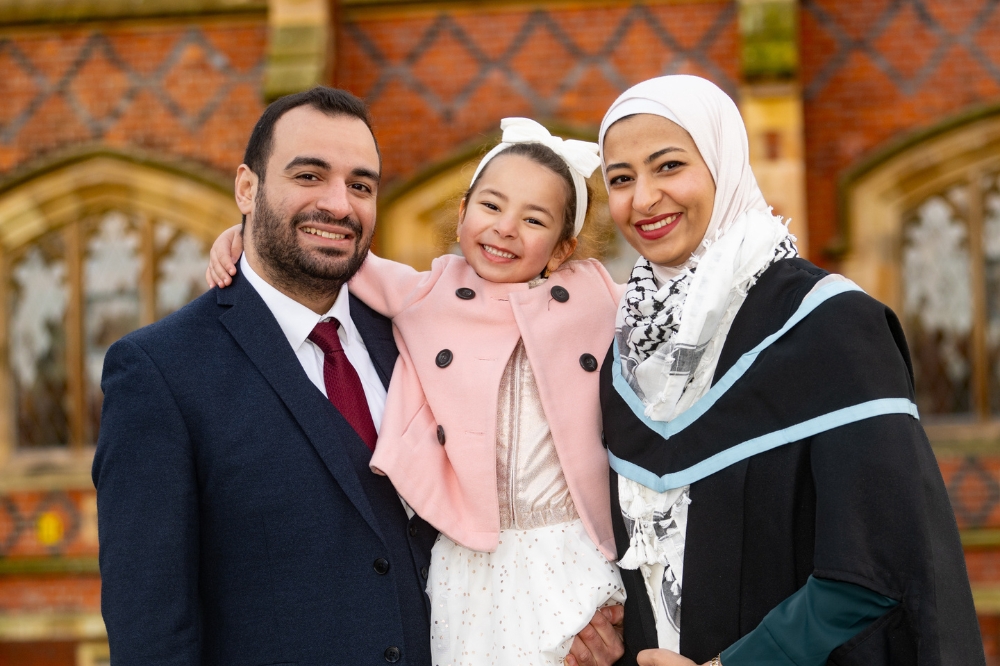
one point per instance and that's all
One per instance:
(226, 251)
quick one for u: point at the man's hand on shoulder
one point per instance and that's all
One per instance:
(600, 642)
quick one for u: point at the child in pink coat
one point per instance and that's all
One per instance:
(492, 427)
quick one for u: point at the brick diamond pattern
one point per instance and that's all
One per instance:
(24, 517)
(183, 90)
(973, 484)
(436, 83)
(913, 30)
(874, 70)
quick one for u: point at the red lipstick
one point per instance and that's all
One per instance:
(662, 231)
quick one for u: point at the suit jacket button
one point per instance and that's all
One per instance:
(392, 654)
(588, 362)
(465, 293)
(441, 435)
(413, 529)
(381, 566)
(444, 358)
(423, 572)
(559, 293)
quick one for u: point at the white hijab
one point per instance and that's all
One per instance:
(673, 320)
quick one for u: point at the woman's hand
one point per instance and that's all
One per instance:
(226, 251)
(663, 658)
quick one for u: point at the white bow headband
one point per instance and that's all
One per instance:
(582, 157)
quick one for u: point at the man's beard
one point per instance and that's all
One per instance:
(295, 269)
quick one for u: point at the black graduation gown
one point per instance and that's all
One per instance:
(862, 503)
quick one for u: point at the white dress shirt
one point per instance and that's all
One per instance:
(297, 322)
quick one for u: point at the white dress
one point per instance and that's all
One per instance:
(524, 603)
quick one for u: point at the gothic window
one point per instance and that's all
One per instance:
(71, 293)
(951, 297)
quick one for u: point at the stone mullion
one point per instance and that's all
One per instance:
(979, 353)
(75, 381)
(147, 278)
(7, 430)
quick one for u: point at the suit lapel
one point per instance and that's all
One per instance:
(376, 331)
(254, 328)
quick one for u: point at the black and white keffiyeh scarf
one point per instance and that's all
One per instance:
(662, 351)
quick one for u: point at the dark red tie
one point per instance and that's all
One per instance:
(343, 386)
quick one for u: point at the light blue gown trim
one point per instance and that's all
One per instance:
(666, 429)
(752, 447)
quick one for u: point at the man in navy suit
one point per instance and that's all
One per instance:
(239, 521)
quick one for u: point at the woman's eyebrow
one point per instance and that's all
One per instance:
(661, 153)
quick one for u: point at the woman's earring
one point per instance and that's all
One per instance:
(458, 239)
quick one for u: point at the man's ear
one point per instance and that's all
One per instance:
(246, 189)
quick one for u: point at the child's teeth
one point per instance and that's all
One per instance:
(499, 253)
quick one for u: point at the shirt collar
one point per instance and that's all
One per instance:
(296, 320)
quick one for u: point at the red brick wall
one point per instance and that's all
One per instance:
(873, 70)
(436, 81)
(38, 654)
(176, 88)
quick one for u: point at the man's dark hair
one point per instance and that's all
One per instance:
(331, 101)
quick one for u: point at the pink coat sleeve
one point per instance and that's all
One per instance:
(387, 286)
(616, 290)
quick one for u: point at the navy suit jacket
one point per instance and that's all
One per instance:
(239, 522)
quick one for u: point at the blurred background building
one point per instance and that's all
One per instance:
(874, 125)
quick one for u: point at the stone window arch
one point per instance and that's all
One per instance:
(922, 221)
(91, 248)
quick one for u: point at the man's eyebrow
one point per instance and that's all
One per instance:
(361, 172)
(308, 161)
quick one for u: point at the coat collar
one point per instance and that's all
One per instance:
(257, 332)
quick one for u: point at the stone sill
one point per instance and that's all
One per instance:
(58, 11)
(51, 626)
(47, 470)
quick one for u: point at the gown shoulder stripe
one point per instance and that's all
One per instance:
(752, 447)
(666, 429)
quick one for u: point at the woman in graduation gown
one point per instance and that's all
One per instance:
(770, 475)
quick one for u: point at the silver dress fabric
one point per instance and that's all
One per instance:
(530, 482)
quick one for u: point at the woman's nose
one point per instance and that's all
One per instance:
(646, 195)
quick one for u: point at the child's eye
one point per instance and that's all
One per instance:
(533, 220)
(491, 205)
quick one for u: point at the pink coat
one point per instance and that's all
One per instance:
(454, 485)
